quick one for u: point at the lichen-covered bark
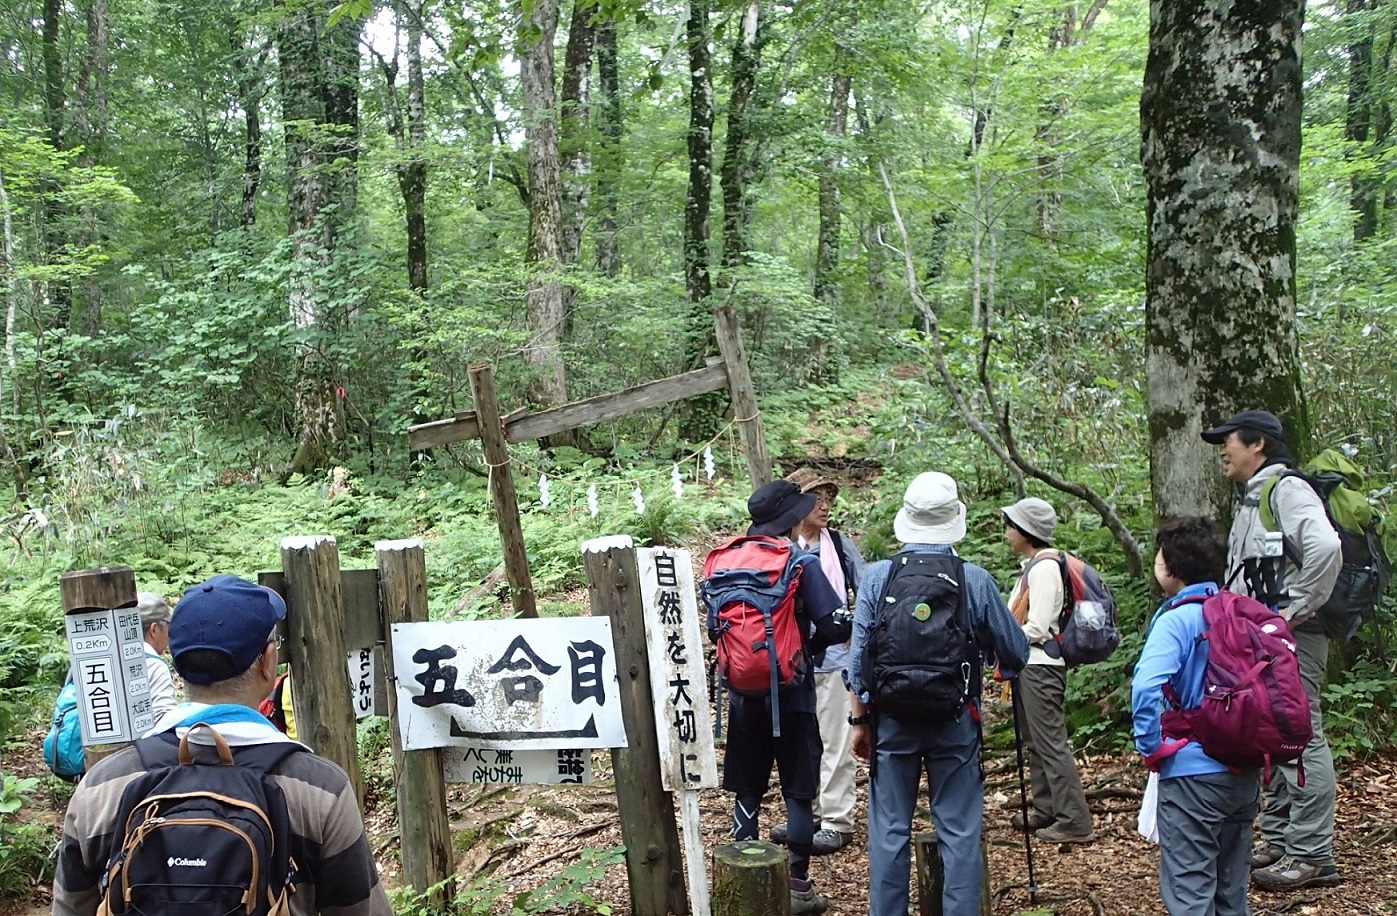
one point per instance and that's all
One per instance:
(1220, 144)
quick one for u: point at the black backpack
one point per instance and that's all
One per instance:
(201, 837)
(922, 661)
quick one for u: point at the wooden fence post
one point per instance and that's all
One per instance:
(516, 560)
(424, 831)
(931, 875)
(98, 590)
(654, 863)
(744, 397)
(751, 878)
(315, 639)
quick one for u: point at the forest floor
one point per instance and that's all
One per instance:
(526, 835)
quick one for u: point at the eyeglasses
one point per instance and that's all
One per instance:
(823, 498)
(276, 639)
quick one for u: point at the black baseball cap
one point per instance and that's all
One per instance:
(1263, 421)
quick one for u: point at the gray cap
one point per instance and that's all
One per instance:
(1033, 516)
(152, 607)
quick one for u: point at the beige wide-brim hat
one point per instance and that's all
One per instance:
(931, 512)
(1033, 516)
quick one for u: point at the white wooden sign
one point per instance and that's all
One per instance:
(361, 681)
(564, 766)
(541, 684)
(678, 684)
(109, 667)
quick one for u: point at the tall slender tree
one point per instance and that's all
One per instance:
(1221, 153)
(738, 162)
(699, 196)
(611, 123)
(546, 312)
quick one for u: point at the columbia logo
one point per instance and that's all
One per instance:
(195, 863)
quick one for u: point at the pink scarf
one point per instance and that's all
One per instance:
(829, 564)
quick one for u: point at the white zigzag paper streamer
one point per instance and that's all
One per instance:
(592, 508)
(676, 482)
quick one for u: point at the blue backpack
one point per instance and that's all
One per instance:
(63, 743)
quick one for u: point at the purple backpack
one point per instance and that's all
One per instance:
(1255, 711)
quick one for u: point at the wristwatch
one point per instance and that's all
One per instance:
(859, 720)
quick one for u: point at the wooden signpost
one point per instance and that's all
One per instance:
(495, 432)
(683, 724)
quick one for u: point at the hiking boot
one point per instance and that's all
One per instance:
(805, 900)
(1058, 834)
(828, 841)
(1266, 854)
(1290, 873)
(777, 833)
(1036, 821)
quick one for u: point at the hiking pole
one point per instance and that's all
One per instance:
(1023, 795)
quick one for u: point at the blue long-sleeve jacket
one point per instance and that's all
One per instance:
(984, 605)
(1175, 655)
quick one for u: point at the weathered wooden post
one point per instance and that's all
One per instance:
(321, 689)
(751, 878)
(492, 438)
(654, 863)
(744, 397)
(99, 590)
(931, 875)
(424, 832)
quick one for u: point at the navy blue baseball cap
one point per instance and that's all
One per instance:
(228, 615)
(1263, 421)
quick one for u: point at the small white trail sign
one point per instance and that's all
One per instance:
(109, 667)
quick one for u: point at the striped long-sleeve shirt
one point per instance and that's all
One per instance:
(337, 872)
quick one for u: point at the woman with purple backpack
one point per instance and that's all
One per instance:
(1206, 809)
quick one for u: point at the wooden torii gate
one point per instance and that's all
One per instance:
(730, 370)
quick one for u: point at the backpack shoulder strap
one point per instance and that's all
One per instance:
(162, 750)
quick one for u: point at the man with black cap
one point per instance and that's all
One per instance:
(224, 643)
(776, 509)
(1293, 570)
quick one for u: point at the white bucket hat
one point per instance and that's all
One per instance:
(931, 513)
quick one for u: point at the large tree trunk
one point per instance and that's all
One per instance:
(608, 76)
(319, 94)
(1221, 154)
(1358, 120)
(546, 314)
(737, 167)
(699, 196)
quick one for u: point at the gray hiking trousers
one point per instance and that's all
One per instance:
(1300, 819)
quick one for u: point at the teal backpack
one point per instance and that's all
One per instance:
(63, 743)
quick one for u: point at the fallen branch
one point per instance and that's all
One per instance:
(486, 586)
(560, 854)
(503, 851)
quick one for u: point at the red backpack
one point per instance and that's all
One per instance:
(749, 588)
(1255, 711)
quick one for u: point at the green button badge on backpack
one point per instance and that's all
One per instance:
(922, 611)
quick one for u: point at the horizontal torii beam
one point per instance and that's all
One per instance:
(522, 426)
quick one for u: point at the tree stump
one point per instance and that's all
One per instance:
(751, 878)
(931, 875)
